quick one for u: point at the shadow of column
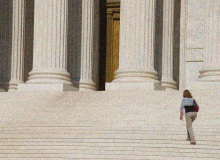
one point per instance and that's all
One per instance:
(96, 46)
(74, 40)
(5, 42)
(176, 40)
(29, 38)
(158, 45)
(102, 43)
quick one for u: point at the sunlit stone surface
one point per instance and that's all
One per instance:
(51, 46)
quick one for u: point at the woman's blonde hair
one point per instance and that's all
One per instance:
(187, 94)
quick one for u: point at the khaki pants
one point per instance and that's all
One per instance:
(190, 117)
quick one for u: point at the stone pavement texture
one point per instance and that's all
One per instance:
(112, 125)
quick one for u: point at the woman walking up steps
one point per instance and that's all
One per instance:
(189, 103)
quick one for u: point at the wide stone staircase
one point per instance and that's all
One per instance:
(114, 125)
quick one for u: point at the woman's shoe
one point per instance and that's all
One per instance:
(193, 143)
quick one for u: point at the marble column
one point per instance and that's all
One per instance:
(136, 52)
(89, 44)
(18, 33)
(50, 47)
(210, 73)
(167, 54)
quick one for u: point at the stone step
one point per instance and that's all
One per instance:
(88, 132)
(83, 124)
(156, 128)
(127, 158)
(150, 158)
(112, 142)
(100, 136)
(31, 158)
(111, 146)
(93, 152)
(145, 156)
(110, 135)
(141, 123)
(34, 156)
(55, 132)
(100, 141)
(109, 154)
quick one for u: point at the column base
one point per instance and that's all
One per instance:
(13, 84)
(47, 76)
(169, 84)
(134, 86)
(46, 87)
(87, 86)
(206, 85)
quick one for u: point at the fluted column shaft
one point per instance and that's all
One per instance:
(18, 33)
(50, 42)
(167, 54)
(136, 53)
(211, 70)
(89, 44)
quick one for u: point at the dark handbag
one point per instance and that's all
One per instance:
(196, 106)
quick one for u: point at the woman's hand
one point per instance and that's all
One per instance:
(181, 115)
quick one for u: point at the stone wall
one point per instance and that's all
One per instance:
(194, 40)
